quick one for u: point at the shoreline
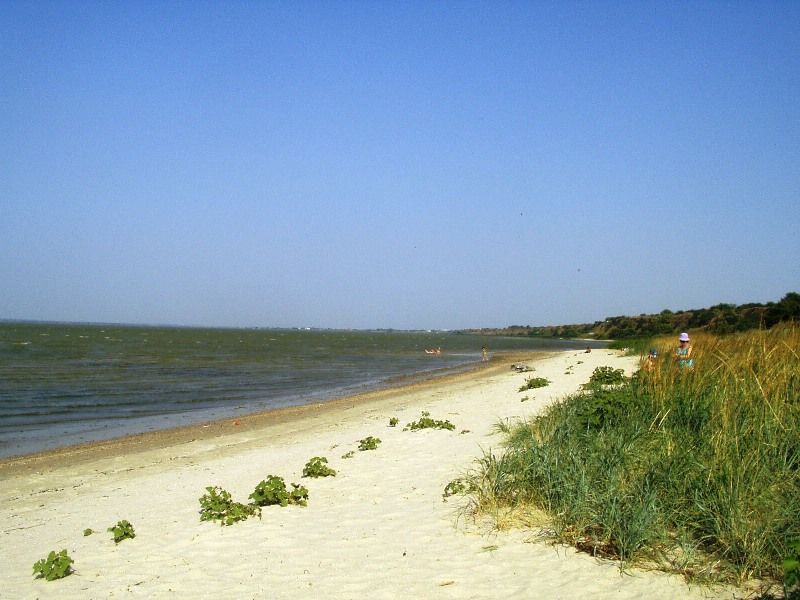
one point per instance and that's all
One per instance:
(158, 439)
(380, 528)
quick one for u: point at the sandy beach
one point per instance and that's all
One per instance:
(379, 529)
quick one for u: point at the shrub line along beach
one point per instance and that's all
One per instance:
(380, 528)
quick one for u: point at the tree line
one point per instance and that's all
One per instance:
(719, 319)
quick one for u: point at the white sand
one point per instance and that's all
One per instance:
(379, 529)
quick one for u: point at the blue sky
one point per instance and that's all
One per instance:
(406, 165)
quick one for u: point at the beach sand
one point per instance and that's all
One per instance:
(379, 529)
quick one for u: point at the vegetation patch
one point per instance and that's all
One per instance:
(606, 376)
(426, 422)
(368, 443)
(459, 486)
(791, 572)
(534, 382)
(718, 319)
(318, 467)
(272, 491)
(697, 472)
(57, 565)
(123, 530)
(393, 422)
(217, 505)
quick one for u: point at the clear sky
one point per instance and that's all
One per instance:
(396, 164)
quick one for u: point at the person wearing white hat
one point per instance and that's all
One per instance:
(683, 354)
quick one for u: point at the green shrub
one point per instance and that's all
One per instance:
(368, 443)
(272, 491)
(216, 505)
(123, 530)
(533, 383)
(318, 467)
(426, 422)
(606, 376)
(457, 486)
(600, 407)
(88, 531)
(349, 454)
(393, 422)
(55, 566)
(298, 495)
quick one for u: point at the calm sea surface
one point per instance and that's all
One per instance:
(62, 384)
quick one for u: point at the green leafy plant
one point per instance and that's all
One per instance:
(606, 376)
(123, 530)
(55, 566)
(349, 454)
(426, 422)
(533, 383)
(368, 443)
(393, 422)
(601, 407)
(272, 491)
(217, 505)
(88, 531)
(791, 572)
(318, 467)
(298, 495)
(457, 486)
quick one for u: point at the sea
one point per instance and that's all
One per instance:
(63, 384)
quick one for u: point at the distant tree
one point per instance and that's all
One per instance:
(720, 318)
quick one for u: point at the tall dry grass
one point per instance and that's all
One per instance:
(697, 470)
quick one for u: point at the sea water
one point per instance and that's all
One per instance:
(63, 384)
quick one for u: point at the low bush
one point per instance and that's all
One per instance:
(426, 422)
(533, 383)
(123, 530)
(272, 491)
(56, 566)
(217, 505)
(458, 486)
(318, 467)
(368, 443)
(598, 408)
(606, 376)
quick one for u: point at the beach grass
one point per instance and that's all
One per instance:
(696, 471)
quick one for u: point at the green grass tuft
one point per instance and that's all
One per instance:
(697, 471)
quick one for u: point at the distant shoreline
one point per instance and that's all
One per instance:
(168, 436)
